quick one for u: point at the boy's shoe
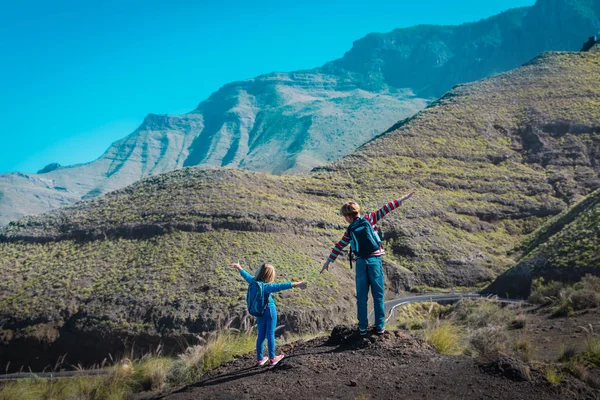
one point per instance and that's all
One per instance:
(275, 361)
(380, 331)
(363, 333)
(260, 363)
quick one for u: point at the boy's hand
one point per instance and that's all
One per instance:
(236, 266)
(406, 197)
(325, 266)
(301, 285)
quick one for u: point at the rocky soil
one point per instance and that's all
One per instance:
(395, 365)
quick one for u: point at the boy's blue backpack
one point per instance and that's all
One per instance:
(364, 241)
(255, 299)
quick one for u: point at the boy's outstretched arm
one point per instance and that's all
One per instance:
(376, 216)
(247, 276)
(336, 250)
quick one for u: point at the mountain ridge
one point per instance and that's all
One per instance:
(302, 119)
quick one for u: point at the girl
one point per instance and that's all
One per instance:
(268, 322)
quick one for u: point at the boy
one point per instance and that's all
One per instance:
(366, 245)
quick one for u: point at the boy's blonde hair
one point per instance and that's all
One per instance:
(351, 208)
(265, 273)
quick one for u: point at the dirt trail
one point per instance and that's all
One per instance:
(395, 365)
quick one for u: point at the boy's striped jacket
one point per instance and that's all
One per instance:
(373, 218)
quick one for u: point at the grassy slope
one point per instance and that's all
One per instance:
(150, 257)
(572, 239)
(564, 249)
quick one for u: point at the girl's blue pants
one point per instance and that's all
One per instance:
(266, 330)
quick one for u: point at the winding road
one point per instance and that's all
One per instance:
(391, 305)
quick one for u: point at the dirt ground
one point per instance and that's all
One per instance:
(399, 366)
(551, 335)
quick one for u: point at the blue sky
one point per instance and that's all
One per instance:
(77, 75)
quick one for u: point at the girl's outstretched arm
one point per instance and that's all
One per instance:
(247, 276)
(278, 287)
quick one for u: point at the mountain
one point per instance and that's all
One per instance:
(564, 249)
(490, 162)
(292, 122)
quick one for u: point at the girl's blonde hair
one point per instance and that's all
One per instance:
(265, 273)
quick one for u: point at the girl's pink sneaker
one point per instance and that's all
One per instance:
(278, 358)
(260, 363)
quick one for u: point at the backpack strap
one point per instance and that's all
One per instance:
(352, 237)
(266, 301)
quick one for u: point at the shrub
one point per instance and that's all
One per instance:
(79, 387)
(197, 360)
(578, 369)
(591, 282)
(26, 389)
(584, 298)
(591, 355)
(545, 294)
(411, 325)
(418, 315)
(553, 377)
(524, 348)
(478, 314)
(593, 344)
(567, 353)
(151, 373)
(488, 340)
(416, 325)
(561, 310)
(126, 378)
(565, 300)
(562, 304)
(225, 347)
(445, 337)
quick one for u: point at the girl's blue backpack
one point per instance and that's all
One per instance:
(255, 299)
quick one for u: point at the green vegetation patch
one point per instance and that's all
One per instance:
(564, 299)
(570, 240)
(416, 316)
(129, 377)
(176, 274)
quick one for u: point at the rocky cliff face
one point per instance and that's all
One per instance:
(432, 59)
(292, 122)
(490, 162)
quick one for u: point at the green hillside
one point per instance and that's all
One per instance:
(565, 249)
(490, 162)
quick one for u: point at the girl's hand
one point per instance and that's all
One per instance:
(236, 266)
(408, 196)
(301, 285)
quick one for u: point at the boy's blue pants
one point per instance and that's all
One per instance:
(266, 330)
(369, 272)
